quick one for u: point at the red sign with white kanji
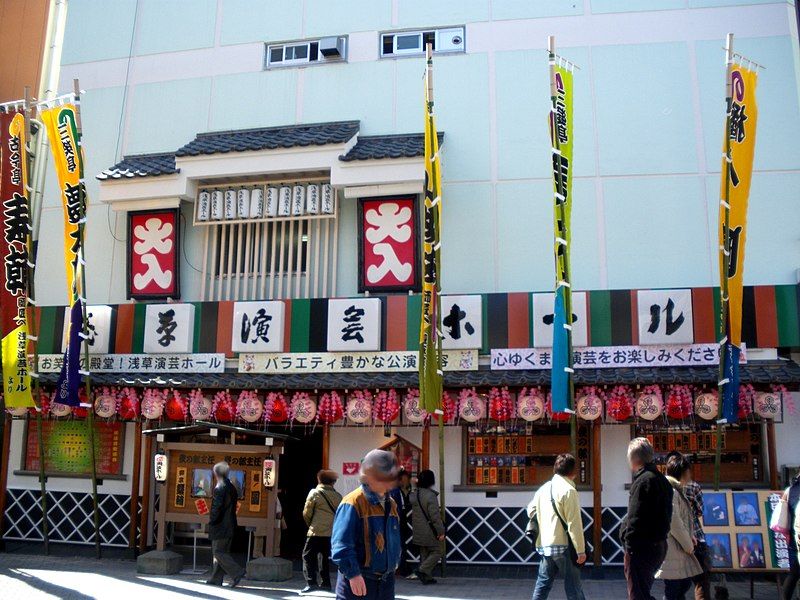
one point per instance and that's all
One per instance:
(389, 245)
(153, 260)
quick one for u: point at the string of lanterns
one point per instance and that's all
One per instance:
(618, 404)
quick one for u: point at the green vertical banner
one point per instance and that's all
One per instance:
(561, 142)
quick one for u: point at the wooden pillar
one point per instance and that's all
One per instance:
(326, 446)
(426, 448)
(4, 470)
(597, 496)
(161, 538)
(146, 483)
(135, 478)
(772, 455)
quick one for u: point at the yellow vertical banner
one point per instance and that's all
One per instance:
(14, 248)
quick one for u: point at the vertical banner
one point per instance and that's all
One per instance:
(737, 168)
(430, 356)
(65, 145)
(561, 141)
(14, 245)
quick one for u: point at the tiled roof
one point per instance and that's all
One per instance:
(270, 138)
(142, 165)
(761, 372)
(374, 147)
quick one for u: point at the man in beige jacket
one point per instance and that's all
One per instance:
(318, 513)
(557, 508)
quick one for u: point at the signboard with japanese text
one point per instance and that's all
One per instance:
(67, 447)
(610, 357)
(462, 322)
(99, 329)
(354, 324)
(351, 362)
(258, 326)
(168, 328)
(665, 317)
(544, 316)
(153, 254)
(140, 363)
(388, 245)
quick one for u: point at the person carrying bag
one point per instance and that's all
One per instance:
(427, 525)
(556, 513)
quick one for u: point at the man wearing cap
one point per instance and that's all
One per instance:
(366, 533)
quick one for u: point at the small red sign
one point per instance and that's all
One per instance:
(202, 506)
(350, 468)
(389, 244)
(153, 259)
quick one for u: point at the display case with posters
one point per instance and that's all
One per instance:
(408, 455)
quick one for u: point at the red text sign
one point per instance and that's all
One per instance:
(153, 258)
(388, 244)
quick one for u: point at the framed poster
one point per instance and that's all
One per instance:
(153, 254)
(388, 244)
(67, 448)
(719, 550)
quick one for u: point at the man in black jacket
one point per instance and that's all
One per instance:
(221, 525)
(792, 496)
(645, 528)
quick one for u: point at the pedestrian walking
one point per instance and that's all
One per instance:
(366, 533)
(401, 496)
(702, 582)
(792, 497)
(426, 523)
(318, 513)
(221, 527)
(556, 508)
(680, 564)
(645, 528)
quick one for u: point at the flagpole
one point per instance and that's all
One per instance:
(724, 325)
(34, 211)
(437, 307)
(562, 215)
(82, 298)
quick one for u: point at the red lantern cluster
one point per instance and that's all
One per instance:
(176, 407)
(330, 409)
(276, 410)
(386, 407)
(223, 407)
(747, 394)
(449, 408)
(680, 402)
(501, 407)
(619, 403)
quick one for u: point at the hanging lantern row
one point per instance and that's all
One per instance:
(619, 403)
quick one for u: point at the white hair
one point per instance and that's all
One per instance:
(221, 469)
(640, 450)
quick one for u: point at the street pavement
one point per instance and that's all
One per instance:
(29, 576)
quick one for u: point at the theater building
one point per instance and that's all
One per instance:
(255, 174)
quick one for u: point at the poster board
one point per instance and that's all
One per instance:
(736, 526)
(67, 447)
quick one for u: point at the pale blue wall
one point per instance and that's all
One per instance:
(259, 99)
(260, 20)
(175, 25)
(335, 17)
(98, 30)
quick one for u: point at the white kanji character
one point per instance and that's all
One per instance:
(155, 235)
(389, 220)
(375, 273)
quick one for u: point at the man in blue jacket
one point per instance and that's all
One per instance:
(366, 533)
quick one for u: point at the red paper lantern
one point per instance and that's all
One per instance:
(558, 417)
(223, 407)
(619, 405)
(275, 408)
(329, 409)
(128, 404)
(449, 407)
(176, 407)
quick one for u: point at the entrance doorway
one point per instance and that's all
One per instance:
(299, 464)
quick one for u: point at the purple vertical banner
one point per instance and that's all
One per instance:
(69, 380)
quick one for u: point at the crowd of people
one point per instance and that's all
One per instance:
(366, 532)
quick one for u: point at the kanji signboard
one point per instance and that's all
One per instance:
(665, 317)
(389, 244)
(462, 322)
(169, 328)
(354, 324)
(153, 259)
(99, 330)
(140, 363)
(258, 326)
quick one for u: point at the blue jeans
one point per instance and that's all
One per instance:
(548, 570)
(376, 589)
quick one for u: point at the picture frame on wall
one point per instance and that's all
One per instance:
(202, 483)
(719, 550)
(750, 547)
(746, 511)
(715, 509)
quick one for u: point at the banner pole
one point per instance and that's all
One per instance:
(82, 298)
(724, 328)
(34, 210)
(562, 215)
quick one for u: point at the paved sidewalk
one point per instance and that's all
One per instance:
(34, 576)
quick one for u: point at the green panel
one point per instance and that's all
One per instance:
(198, 318)
(301, 317)
(413, 316)
(788, 324)
(717, 312)
(47, 330)
(137, 345)
(600, 310)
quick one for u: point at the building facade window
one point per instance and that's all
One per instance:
(412, 43)
(306, 52)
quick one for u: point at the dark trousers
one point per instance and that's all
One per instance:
(702, 582)
(224, 562)
(792, 577)
(641, 565)
(312, 566)
(377, 589)
(675, 589)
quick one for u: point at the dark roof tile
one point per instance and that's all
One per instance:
(270, 138)
(374, 147)
(142, 165)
